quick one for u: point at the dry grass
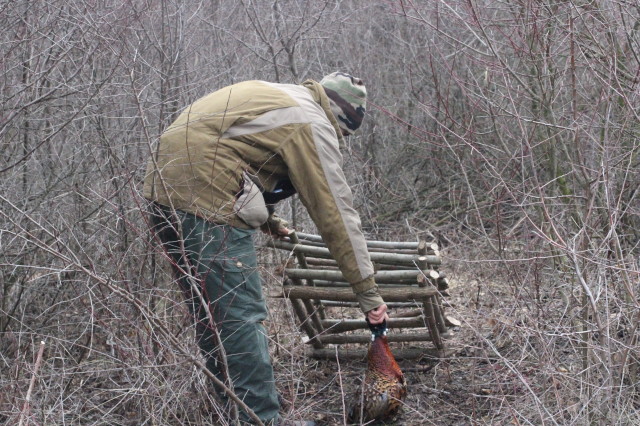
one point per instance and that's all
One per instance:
(519, 359)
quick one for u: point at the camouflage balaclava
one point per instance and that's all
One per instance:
(348, 99)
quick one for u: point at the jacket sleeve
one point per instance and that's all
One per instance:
(314, 161)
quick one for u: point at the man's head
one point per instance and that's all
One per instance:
(348, 98)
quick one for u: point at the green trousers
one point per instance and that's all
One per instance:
(220, 261)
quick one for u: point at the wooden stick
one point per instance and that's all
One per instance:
(393, 258)
(428, 248)
(305, 324)
(431, 323)
(388, 267)
(27, 402)
(344, 284)
(399, 294)
(318, 312)
(443, 282)
(299, 255)
(302, 260)
(402, 353)
(392, 250)
(408, 314)
(435, 303)
(439, 315)
(339, 339)
(433, 248)
(380, 276)
(390, 305)
(309, 237)
(378, 244)
(342, 325)
(310, 310)
(430, 304)
(330, 263)
(452, 322)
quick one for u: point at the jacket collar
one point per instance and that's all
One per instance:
(321, 97)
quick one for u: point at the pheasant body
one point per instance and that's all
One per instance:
(384, 386)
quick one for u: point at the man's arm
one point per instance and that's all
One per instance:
(315, 169)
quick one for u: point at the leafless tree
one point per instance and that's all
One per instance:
(505, 130)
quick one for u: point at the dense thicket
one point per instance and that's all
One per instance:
(506, 130)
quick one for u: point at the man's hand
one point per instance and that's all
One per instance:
(278, 232)
(276, 227)
(377, 315)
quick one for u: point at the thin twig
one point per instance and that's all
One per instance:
(26, 407)
(344, 406)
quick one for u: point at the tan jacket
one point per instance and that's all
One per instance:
(229, 146)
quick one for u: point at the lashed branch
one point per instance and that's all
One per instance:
(380, 276)
(399, 294)
(392, 258)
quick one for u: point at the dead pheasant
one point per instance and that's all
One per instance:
(384, 384)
